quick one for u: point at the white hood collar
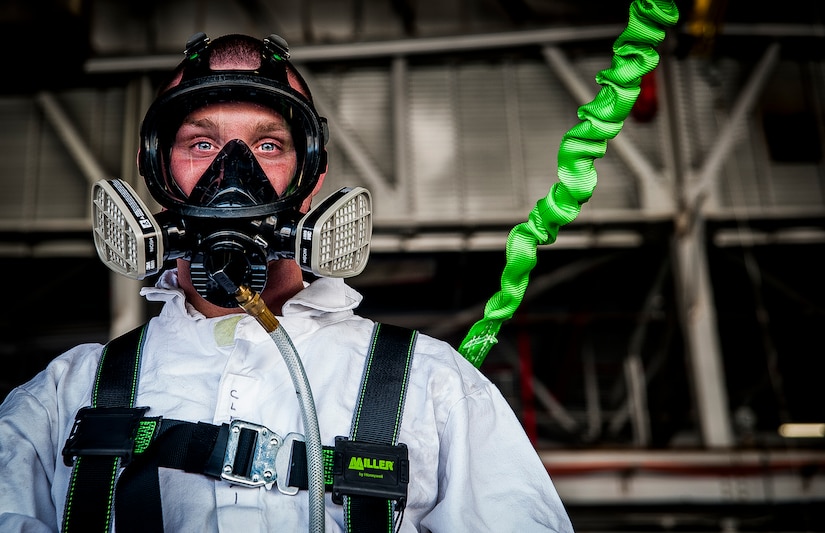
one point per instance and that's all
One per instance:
(322, 296)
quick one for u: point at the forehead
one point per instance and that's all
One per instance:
(240, 113)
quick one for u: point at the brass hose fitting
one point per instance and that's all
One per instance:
(254, 306)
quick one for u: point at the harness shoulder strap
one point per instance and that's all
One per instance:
(377, 420)
(89, 498)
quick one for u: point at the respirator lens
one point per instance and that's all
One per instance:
(306, 132)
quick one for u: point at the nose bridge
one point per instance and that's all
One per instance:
(237, 154)
(233, 179)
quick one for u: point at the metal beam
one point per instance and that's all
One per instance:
(654, 196)
(694, 292)
(347, 138)
(442, 45)
(399, 84)
(726, 140)
(69, 134)
(392, 48)
(651, 477)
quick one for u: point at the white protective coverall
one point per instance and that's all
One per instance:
(472, 468)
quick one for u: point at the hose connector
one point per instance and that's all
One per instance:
(249, 300)
(252, 303)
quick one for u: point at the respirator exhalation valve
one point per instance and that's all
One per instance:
(237, 256)
(332, 240)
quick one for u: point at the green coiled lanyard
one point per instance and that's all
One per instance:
(634, 55)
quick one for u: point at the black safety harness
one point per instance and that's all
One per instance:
(367, 473)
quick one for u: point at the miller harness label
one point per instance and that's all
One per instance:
(366, 469)
(365, 466)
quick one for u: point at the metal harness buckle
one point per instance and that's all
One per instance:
(250, 454)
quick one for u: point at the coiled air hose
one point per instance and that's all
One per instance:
(634, 56)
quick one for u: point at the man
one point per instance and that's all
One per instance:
(233, 137)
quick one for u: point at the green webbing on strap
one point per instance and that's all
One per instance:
(633, 57)
(145, 433)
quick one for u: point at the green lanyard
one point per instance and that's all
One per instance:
(633, 57)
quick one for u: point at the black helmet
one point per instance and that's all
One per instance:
(276, 84)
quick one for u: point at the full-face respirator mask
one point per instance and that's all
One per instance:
(233, 222)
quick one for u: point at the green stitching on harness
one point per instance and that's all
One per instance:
(136, 373)
(362, 463)
(397, 427)
(97, 375)
(390, 511)
(115, 464)
(328, 455)
(144, 435)
(70, 495)
(364, 380)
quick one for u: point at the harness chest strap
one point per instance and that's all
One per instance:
(370, 469)
(240, 452)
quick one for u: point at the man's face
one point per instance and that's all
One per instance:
(206, 131)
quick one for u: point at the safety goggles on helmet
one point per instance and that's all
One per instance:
(200, 86)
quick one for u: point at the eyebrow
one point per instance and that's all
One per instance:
(270, 125)
(204, 123)
(261, 127)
